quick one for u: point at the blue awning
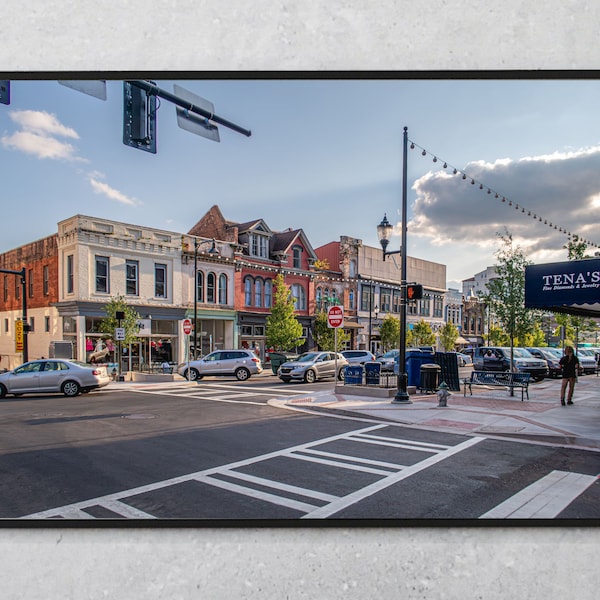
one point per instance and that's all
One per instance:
(571, 287)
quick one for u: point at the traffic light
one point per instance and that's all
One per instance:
(414, 291)
(139, 118)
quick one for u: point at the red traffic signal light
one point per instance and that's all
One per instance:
(414, 291)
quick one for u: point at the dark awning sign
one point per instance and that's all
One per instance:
(571, 287)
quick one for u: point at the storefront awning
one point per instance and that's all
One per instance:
(571, 287)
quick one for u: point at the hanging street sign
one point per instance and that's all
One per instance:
(120, 334)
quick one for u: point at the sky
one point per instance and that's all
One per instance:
(325, 155)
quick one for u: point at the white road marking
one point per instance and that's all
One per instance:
(361, 494)
(125, 510)
(543, 499)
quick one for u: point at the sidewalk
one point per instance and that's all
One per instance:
(488, 412)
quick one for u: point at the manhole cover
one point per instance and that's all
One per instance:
(138, 416)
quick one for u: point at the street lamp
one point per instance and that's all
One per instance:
(384, 232)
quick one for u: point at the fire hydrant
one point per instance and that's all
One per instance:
(442, 394)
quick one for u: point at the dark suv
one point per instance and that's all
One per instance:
(495, 358)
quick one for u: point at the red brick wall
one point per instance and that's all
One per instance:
(31, 256)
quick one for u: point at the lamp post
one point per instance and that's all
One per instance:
(384, 231)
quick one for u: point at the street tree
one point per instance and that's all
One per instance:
(130, 323)
(325, 335)
(283, 330)
(505, 294)
(448, 335)
(389, 332)
(422, 334)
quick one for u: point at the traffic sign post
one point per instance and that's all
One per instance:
(187, 329)
(335, 320)
(187, 326)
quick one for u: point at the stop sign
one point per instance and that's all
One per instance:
(335, 316)
(187, 326)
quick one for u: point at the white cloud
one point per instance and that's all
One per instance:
(41, 146)
(38, 136)
(562, 188)
(100, 187)
(42, 122)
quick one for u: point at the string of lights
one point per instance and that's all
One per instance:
(487, 189)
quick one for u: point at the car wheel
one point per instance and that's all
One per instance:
(2, 391)
(70, 388)
(310, 376)
(192, 375)
(341, 375)
(242, 374)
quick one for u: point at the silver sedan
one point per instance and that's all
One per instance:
(311, 366)
(69, 377)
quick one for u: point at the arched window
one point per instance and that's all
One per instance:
(299, 295)
(258, 292)
(200, 286)
(319, 298)
(248, 291)
(222, 288)
(352, 270)
(326, 301)
(268, 293)
(210, 288)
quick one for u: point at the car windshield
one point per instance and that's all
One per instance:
(521, 353)
(391, 353)
(308, 357)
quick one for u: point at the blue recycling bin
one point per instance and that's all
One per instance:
(372, 373)
(414, 359)
(353, 375)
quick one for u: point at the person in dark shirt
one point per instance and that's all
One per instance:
(570, 366)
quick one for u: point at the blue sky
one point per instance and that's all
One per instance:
(324, 156)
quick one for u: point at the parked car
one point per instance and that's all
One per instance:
(551, 357)
(311, 366)
(464, 360)
(587, 360)
(387, 360)
(69, 377)
(358, 357)
(241, 363)
(496, 358)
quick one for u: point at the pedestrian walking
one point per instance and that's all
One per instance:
(570, 366)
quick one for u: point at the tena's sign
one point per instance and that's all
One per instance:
(568, 287)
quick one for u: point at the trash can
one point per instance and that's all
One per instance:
(353, 375)
(429, 377)
(372, 373)
(278, 358)
(413, 364)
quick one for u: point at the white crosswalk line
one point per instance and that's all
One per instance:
(543, 499)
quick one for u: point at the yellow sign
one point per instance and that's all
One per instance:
(18, 335)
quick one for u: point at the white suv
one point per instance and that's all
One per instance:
(241, 363)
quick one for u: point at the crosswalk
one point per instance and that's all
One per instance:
(311, 503)
(219, 392)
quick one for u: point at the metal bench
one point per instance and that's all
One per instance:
(497, 379)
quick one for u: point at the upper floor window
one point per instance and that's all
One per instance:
(248, 291)
(319, 298)
(160, 281)
(5, 288)
(131, 278)
(210, 287)
(259, 245)
(258, 292)
(297, 257)
(386, 299)
(299, 296)
(352, 268)
(46, 280)
(199, 286)
(222, 288)
(366, 298)
(70, 274)
(351, 300)
(268, 293)
(30, 278)
(102, 274)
